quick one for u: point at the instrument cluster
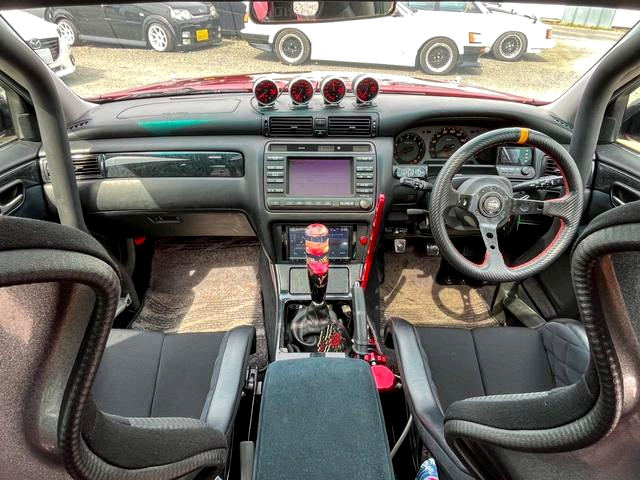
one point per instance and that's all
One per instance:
(431, 143)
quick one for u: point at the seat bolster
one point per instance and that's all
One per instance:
(567, 349)
(141, 443)
(222, 402)
(422, 396)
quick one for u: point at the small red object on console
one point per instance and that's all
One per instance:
(139, 240)
(384, 378)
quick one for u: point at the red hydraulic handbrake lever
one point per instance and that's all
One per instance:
(373, 241)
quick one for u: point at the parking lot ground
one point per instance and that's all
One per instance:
(543, 76)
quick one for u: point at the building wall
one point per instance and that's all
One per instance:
(622, 17)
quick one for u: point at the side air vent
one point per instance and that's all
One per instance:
(77, 125)
(350, 127)
(85, 166)
(550, 167)
(291, 126)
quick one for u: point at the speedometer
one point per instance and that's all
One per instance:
(446, 141)
(409, 148)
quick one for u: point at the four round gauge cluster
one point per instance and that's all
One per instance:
(301, 90)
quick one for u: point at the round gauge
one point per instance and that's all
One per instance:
(446, 141)
(365, 89)
(333, 90)
(409, 148)
(266, 92)
(301, 91)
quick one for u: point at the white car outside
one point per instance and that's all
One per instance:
(43, 37)
(508, 34)
(434, 47)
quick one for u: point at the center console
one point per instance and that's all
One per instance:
(320, 177)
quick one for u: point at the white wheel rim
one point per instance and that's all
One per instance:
(439, 57)
(158, 37)
(66, 32)
(291, 47)
(510, 46)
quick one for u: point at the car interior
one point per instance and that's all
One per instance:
(235, 285)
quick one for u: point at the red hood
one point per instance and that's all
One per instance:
(244, 83)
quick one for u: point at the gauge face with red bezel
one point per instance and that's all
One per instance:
(366, 89)
(333, 90)
(266, 92)
(301, 91)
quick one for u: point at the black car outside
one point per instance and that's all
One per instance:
(231, 17)
(161, 26)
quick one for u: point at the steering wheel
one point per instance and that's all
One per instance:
(490, 200)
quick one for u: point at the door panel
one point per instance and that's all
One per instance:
(21, 192)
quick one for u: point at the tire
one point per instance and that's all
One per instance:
(292, 47)
(510, 47)
(160, 38)
(68, 31)
(438, 56)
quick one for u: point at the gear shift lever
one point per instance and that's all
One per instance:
(312, 319)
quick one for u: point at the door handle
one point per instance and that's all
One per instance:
(11, 197)
(621, 194)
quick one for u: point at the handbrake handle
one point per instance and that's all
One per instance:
(360, 333)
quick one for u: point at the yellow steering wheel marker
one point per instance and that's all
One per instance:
(524, 135)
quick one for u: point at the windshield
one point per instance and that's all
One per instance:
(535, 51)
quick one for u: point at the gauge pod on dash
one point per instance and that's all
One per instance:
(301, 91)
(365, 88)
(266, 92)
(333, 90)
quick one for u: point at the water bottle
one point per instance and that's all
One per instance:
(428, 470)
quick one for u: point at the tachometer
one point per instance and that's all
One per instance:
(446, 141)
(409, 148)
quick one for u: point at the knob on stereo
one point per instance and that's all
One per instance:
(365, 204)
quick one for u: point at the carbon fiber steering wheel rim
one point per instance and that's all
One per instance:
(490, 200)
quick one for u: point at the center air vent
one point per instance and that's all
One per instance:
(550, 167)
(360, 126)
(85, 166)
(291, 126)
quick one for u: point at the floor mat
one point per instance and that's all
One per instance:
(204, 285)
(410, 291)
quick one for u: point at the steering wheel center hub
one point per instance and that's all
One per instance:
(491, 205)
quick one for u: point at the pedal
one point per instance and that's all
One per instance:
(399, 245)
(432, 250)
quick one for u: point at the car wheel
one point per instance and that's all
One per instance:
(438, 56)
(68, 31)
(160, 38)
(510, 46)
(292, 47)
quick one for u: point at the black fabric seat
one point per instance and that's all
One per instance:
(104, 403)
(192, 375)
(440, 366)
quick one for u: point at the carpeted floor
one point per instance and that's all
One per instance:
(204, 284)
(410, 291)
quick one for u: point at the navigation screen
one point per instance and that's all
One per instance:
(315, 177)
(339, 243)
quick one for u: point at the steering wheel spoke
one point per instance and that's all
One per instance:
(526, 206)
(493, 258)
(562, 207)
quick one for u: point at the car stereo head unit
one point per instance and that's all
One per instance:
(324, 176)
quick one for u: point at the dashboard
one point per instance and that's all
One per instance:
(143, 170)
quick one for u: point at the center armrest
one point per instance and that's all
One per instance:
(321, 418)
